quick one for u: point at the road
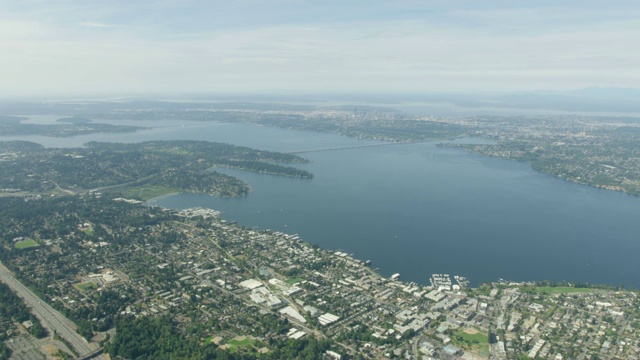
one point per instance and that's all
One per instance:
(66, 191)
(49, 317)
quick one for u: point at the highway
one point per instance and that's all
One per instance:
(49, 317)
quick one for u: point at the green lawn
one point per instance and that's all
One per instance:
(25, 244)
(241, 343)
(208, 339)
(564, 290)
(474, 343)
(235, 345)
(470, 338)
(85, 286)
(293, 280)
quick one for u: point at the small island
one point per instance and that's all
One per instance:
(74, 120)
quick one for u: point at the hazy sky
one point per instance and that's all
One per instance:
(61, 47)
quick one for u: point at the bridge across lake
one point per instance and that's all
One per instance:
(352, 147)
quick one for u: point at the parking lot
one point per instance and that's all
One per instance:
(24, 349)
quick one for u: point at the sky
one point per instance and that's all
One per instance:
(134, 47)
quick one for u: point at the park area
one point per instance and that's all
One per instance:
(26, 244)
(237, 343)
(84, 286)
(565, 290)
(473, 341)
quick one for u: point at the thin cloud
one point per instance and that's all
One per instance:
(140, 47)
(101, 25)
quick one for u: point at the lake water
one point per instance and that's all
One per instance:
(417, 209)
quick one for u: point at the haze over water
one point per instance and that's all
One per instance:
(417, 209)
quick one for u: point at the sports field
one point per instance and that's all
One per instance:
(25, 244)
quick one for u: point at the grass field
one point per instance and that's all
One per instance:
(85, 286)
(25, 244)
(473, 340)
(293, 280)
(241, 343)
(237, 343)
(471, 337)
(564, 290)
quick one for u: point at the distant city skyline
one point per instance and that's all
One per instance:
(74, 48)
